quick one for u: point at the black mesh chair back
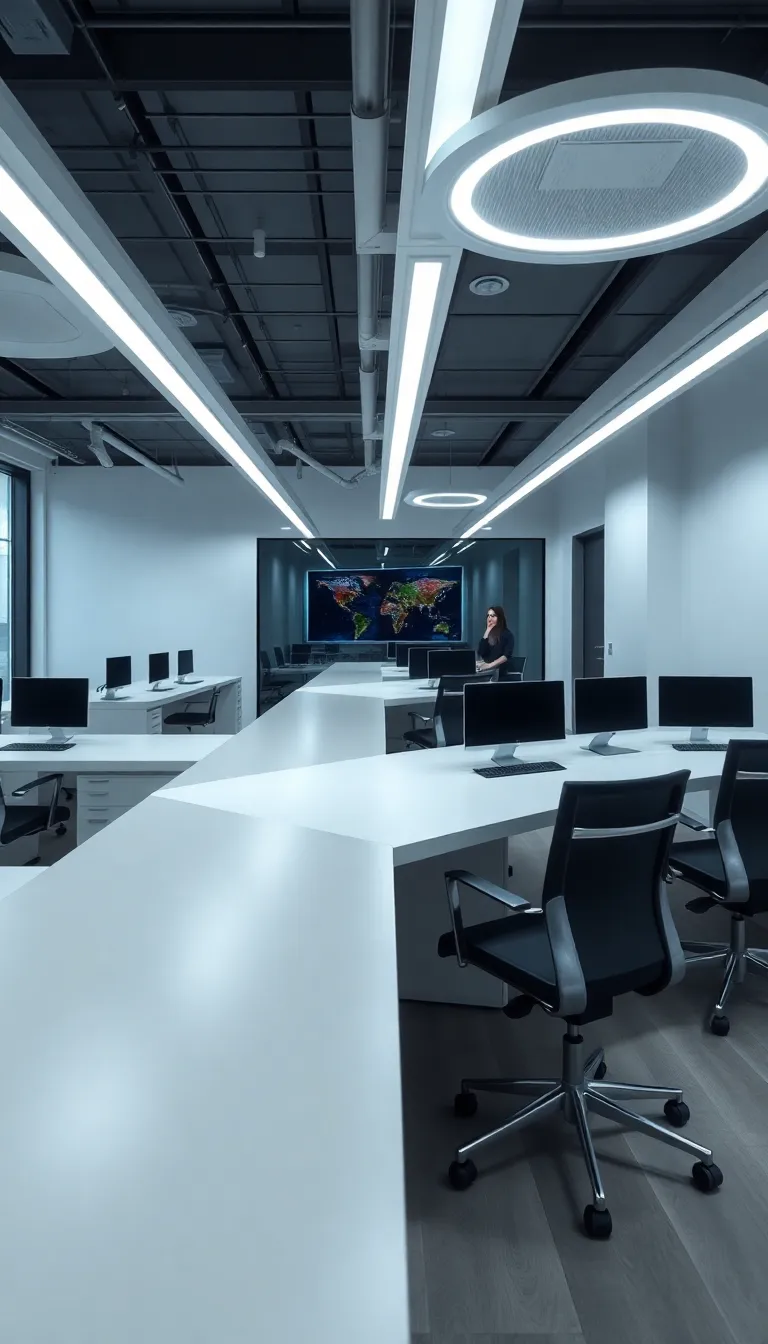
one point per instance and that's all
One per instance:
(604, 897)
(741, 824)
(449, 707)
(266, 666)
(300, 653)
(516, 668)
(279, 659)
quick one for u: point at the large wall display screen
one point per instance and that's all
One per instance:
(410, 605)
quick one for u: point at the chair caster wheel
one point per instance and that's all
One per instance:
(61, 830)
(598, 1223)
(462, 1174)
(600, 1072)
(677, 1114)
(720, 1025)
(464, 1104)
(706, 1178)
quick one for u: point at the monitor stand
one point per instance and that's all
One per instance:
(158, 687)
(599, 746)
(110, 693)
(186, 680)
(506, 755)
(58, 735)
(699, 735)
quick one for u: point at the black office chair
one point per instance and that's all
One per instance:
(279, 658)
(516, 668)
(605, 929)
(729, 862)
(445, 727)
(17, 823)
(301, 654)
(195, 718)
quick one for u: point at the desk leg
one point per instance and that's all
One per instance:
(421, 909)
(229, 715)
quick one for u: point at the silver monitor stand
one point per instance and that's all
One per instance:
(110, 693)
(158, 687)
(58, 735)
(186, 680)
(599, 746)
(699, 734)
(506, 754)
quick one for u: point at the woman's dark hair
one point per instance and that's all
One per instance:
(501, 624)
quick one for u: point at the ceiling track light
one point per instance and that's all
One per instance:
(465, 548)
(751, 330)
(425, 280)
(324, 557)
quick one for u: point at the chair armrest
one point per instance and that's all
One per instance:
(24, 789)
(459, 877)
(413, 716)
(696, 824)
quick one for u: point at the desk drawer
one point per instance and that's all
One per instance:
(155, 720)
(91, 820)
(118, 790)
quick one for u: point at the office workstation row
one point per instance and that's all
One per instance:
(201, 977)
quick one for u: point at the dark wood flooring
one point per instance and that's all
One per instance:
(507, 1261)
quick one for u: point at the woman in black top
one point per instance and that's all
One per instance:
(497, 645)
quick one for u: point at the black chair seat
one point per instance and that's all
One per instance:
(519, 952)
(22, 820)
(700, 864)
(421, 737)
(188, 719)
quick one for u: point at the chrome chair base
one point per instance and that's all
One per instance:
(578, 1091)
(737, 959)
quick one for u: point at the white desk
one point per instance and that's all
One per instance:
(201, 1080)
(114, 773)
(140, 709)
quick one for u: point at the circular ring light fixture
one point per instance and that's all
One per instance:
(446, 499)
(606, 167)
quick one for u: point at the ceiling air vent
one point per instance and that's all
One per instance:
(35, 27)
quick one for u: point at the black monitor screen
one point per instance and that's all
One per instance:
(705, 702)
(502, 712)
(49, 702)
(118, 673)
(417, 661)
(610, 704)
(159, 666)
(186, 662)
(391, 651)
(450, 662)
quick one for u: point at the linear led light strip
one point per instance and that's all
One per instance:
(22, 213)
(466, 29)
(425, 281)
(324, 557)
(731, 345)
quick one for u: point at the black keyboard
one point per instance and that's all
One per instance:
(699, 746)
(524, 768)
(38, 746)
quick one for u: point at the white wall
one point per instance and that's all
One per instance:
(137, 566)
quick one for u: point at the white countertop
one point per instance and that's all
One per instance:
(115, 752)
(200, 1133)
(139, 695)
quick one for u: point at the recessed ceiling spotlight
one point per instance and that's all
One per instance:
(443, 433)
(604, 167)
(445, 499)
(488, 286)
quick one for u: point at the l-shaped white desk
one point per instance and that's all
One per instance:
(200, 1135)
(139, 709)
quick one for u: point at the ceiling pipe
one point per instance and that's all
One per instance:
(102, 434)
(43, 453)
(346, 482)
(369, 24)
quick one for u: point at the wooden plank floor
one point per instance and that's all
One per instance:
(507, 1262)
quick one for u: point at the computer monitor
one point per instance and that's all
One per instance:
(391, 652)
(449, 663)
(159, 670)
(401, 655)
(417, 661)
(185, 666)
(50, 702)
(118, 674)
(608, 705)
(502, 714)
(701, 703)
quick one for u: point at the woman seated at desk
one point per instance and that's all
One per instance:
(497, 644)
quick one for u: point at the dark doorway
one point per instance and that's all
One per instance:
(589, 604)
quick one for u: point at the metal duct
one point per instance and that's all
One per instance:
(346, 482)
(370, 131)
(43, 452)
(104, 434)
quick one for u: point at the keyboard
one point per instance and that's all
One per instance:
(524, 768)
(699, 746)
(38, 746)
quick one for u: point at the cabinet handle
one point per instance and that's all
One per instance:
(93, 780)
(103, 822)
(103, 794)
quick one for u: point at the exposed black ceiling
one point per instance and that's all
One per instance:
(191, 125)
